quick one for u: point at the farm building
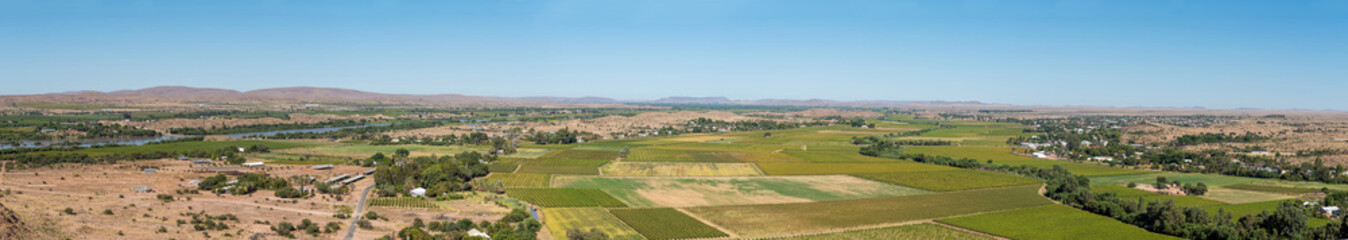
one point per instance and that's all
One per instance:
(202, 161)
(1040, 155)
(1330, 211)
(417, 192)
(353, 179)
(142, 189)
(368, 172)
(1102, 158)
(323, 167)
(338, 178)
(194, 183)
(253, 164)
(183, 158)
(150, 170)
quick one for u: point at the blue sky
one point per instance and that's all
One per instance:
(1230, 54)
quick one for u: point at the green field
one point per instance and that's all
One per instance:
(801, 218)
(567, 170)
(951, 180)
(567, 162)
(665, 223)
(1273, 188)
(1129, 194)
(564, 197)
(559, 220)
(1246, 209)
(1003, 155)
(402, 202)
(847, 168)
(576, 154)
(1052, 222)
(915, 231)
(515, 179)
(679, 169)
(818, 156)
(708, 191)
(1237, 196)
(674, 155)
(1212, 180)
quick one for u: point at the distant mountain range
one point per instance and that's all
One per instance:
(339, 95)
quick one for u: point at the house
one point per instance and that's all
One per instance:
(417, 192)
(182, 158)
(203, 161)
(48, 130)
(323, 167)
(1330, 210)
(253, 164)
(149, 170)
(478, 233)
(142, 189)
(194, 183)
(1040, 155)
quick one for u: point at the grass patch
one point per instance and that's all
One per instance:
(952, 180)
(561, 219)
(847, 168)
(564, 197)
(800, 218)
(665, 223)
(1052, 222)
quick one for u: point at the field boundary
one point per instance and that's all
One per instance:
(731, 235)
(971, 230)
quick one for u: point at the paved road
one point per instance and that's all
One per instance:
(360, 210)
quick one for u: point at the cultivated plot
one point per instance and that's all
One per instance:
(564, 197)
(712, 191)
(1052, 222)
(951, 180)
(915, 231)
(847, 168)
(658, 169)
(559, 220)
(799, 218)
(665, 223)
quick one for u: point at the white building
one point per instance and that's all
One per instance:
(418, 192)
(478, 233)
(253, 164)
(1040, 155)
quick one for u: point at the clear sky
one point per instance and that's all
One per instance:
(1217, 54)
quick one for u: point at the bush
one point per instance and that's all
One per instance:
(69, 211)
(164, 197)
(107, 211)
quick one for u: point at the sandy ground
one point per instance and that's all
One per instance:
(89, 190)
